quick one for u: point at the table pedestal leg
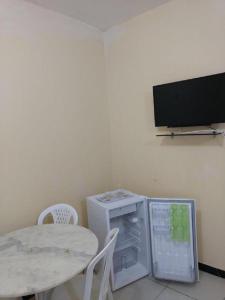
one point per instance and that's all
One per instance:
(44, 295)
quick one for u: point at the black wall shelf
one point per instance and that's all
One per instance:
(194, 133)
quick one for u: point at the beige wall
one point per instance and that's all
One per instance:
(54, 123)
(179, 40)
(54, 129)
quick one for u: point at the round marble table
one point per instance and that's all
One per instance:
(38, 258)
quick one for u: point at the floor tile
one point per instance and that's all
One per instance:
(210, 287)
(169, 294)
(159, 281)
(143, 289)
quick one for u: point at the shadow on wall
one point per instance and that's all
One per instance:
(193, 141)
(199, 230)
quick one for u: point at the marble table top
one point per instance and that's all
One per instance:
(37, 258)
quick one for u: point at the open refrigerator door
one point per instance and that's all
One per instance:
(173, 239)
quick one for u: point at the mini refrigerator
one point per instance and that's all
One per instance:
(156, 236)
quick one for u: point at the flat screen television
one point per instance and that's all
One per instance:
(192, 102)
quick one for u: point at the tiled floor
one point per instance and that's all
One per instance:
(209, 288)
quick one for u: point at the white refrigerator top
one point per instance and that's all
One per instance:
(116, 198)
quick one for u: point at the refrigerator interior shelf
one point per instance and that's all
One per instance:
(127, 276)
(126, 244)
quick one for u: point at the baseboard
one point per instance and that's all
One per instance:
(211, 270)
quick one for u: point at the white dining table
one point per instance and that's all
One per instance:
(38, 258)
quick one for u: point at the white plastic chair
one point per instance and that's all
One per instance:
(61, 213)
(91, 286)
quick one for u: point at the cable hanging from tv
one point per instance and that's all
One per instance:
(212, 132)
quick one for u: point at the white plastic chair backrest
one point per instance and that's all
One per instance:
(106, 254)
(61, 213)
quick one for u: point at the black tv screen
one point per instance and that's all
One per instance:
(193, 102)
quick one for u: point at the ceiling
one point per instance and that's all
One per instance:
(102, 14)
